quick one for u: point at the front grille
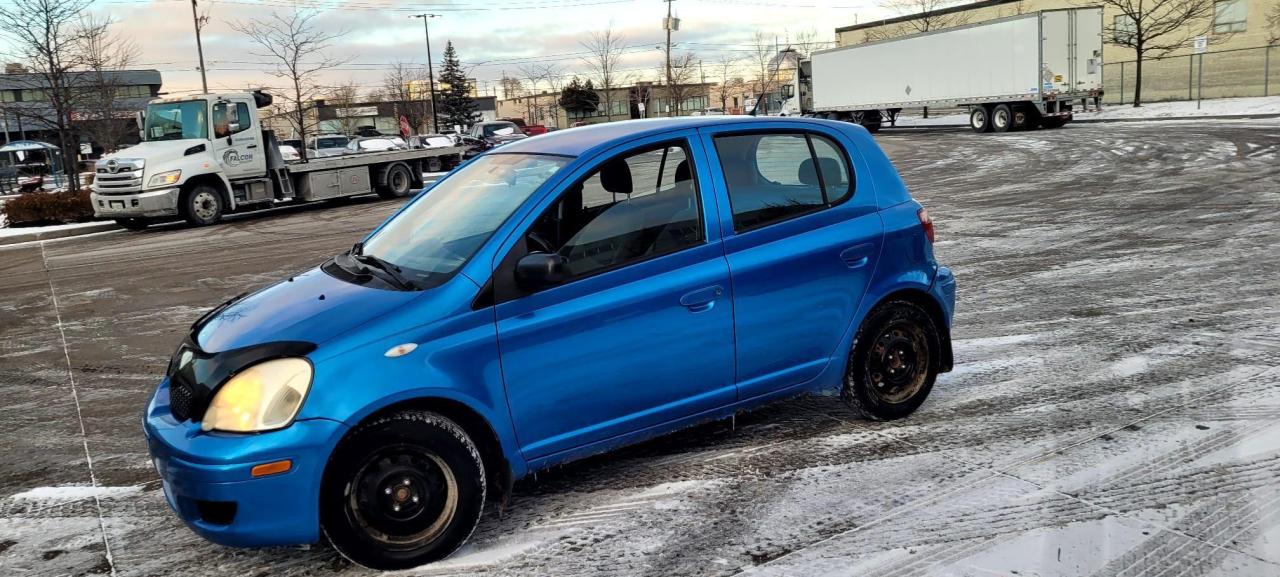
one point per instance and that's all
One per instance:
(120, 182)
(180, 399)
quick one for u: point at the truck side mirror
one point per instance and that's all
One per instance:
(788, 91)
(540, 270)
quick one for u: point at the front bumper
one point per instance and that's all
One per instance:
(207, 480)
(163, 202)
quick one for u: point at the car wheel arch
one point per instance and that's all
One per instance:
(920, 297)
(500, 470)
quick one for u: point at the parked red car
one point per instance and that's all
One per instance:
(528, 129)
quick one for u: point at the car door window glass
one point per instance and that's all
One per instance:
(776, 176)
(631, 208)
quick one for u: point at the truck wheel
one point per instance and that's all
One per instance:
(201, 205)
(979, 119)
(1001, 118)
(894, 362)
(399, 182)
(401, 491)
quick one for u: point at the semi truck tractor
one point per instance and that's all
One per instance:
(204, 156)
(1012, 73)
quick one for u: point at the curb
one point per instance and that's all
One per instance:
(60, 233)
(1106, 120)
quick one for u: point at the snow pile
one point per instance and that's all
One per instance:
(1154, 111)
(75, 492)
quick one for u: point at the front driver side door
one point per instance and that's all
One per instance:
(641, 333)
(236, 140)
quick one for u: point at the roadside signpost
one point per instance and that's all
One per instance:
(1201, 45)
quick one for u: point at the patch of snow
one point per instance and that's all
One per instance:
(75, 493)
(1129, 366)
(1155, 110)
(6, 231)
(472, 555)
(987, 342)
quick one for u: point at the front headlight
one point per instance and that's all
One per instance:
(165, 178)
(263, 397)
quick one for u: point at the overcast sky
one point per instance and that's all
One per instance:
(491, 37)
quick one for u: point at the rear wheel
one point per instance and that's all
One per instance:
(894, 362)
(201, 205)
(399, 182)
(403, 490)
(979, 119)
(1002, 118)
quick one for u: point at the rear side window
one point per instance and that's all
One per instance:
(776, 176)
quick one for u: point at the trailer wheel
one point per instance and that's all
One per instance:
(201, 205)
(399, 182)
(1001, 118)
(979, 119)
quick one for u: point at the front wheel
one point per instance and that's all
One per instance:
(403, 490)
(894, 362)
(201, 205)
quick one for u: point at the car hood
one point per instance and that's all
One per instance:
(156, 151)
(312, 307)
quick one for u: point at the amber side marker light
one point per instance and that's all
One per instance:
(273, 468)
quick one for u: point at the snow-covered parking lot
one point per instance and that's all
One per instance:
(1115, 407)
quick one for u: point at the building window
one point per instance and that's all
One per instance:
(1229, 16)
(8, 96)
(1122, 29)
(34, 95)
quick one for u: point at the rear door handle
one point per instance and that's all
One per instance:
(857, 256)
(702, 299)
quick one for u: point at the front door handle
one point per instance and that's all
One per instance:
(702, 299)
(856, 257)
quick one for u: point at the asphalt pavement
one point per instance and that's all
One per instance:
(1115, 407)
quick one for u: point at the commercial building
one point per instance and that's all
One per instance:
(641, 100)
(1242, 56)
(112, 97)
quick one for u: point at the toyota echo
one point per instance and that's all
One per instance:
(551, 299)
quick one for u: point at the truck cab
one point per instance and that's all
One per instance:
(209, 146)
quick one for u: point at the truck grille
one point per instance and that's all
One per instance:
(116, 176)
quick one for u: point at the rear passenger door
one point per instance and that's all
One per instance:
(802, 238)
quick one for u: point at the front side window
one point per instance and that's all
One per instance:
(230, 119)
(1230, 16)
(631, 208)
(438, 233)
(777, 176)
(177, 120)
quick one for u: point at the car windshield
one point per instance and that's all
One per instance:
(500, 129)
(177, 120)
(439, 232)
(332, 142)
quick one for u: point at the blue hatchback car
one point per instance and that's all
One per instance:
(551, 299)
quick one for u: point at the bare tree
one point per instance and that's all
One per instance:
(925, 15)
(605, 52)
(683, 73)
(299, 51)
(46, 36)
(104, 113)
(511, 86)
(407, 85)
(345, 95)
(1154, 28)
(806, 42)
(541, 104)
(728, 83)
(763, 60)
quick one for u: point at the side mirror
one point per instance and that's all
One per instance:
(540, 270)
(233, 128)
(788, 91)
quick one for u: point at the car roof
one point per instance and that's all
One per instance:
(577, 140)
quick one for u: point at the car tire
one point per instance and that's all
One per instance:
(134, 223)
(893, 363)
(373, 517)
(980, 119)
(1002, 118)
(399, 182)
(201, 205)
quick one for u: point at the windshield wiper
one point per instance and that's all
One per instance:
(392, 271)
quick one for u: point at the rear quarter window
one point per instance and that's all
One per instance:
(776, 176)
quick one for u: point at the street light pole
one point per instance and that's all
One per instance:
(195, 17)
(431, 75)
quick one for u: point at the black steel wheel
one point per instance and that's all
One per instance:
(404, 490)
(894, 362)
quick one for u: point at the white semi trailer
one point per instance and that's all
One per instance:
(207, 155)
(1012, 73)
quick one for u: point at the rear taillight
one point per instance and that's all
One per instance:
(927, 222)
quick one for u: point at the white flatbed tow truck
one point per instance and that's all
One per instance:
(208, 155)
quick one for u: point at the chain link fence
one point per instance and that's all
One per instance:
(1222, 74)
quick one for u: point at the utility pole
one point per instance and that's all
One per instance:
(669, 24)
(199, 22)
(431, 75)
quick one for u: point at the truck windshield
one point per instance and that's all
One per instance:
(177, 120)
(439, 232)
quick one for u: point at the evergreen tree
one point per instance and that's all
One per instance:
(456, 105)
(579, 98)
